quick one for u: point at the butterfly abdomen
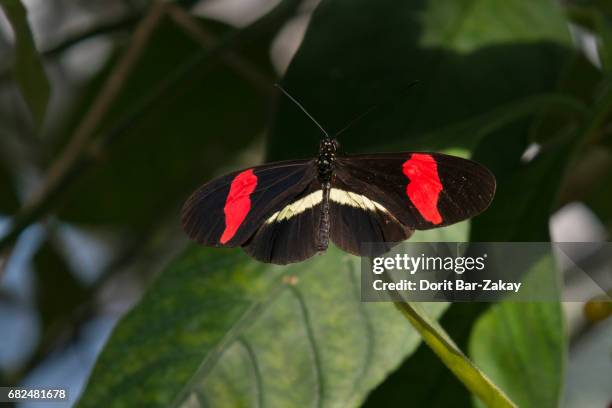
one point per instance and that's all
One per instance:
(323, 231)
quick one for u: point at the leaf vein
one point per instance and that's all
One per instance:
(256, 372)
(316, 361)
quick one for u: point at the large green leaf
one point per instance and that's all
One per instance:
(526, 191)
(431, 383)
(522, 345)
(526, 337)
(471, 57)
(28, 69)
(481, 65)
(218, 329)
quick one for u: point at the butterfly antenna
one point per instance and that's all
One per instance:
(303, 110)
(370, 109)
(357, 119)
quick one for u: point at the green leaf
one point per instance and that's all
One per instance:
(466, 25)
(522, 345)
(441, 344)
(521, 210)
(484, 69)
(471, 58)
(28, 68)
(500, 120)
(526, 191)
(218, 329)
(580, 83)
(431, 383)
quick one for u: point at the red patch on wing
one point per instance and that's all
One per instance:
(238, 203)
(424, 186)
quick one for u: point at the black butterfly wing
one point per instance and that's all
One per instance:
(274, 210)
(360, 225)
(229, 210)
(414, 190)
(290, 234)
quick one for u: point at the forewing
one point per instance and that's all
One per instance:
(421, 190)
(227, 211)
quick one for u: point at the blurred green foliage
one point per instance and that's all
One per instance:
(215, 329)
(383, 47)
(28, 68)
(8, 194)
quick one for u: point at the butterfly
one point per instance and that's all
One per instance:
(286, 212)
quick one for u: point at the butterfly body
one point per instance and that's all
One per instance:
(286, 212)
(325, 167)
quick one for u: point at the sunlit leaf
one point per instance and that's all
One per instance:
(522, 345)
(525, 198)
(218, 329)
(471, 58)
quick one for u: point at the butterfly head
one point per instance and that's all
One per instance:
(328, 146)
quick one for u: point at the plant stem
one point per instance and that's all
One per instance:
(460, 365)
(245, 68)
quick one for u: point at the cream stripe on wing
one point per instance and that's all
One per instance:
(297, 207)
(354, 200)
(336, 195)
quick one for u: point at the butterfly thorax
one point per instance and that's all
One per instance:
(327, 159)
